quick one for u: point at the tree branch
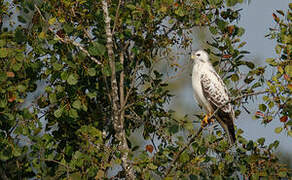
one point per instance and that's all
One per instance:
(124, 106)
(168, 170)
(235, 99)
(67, 40)
(116, 17)
(117, 120)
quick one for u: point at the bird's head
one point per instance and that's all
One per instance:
(200, 56)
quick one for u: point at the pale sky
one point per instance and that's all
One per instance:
(256, 19)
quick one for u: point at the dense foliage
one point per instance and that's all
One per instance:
(56, 90)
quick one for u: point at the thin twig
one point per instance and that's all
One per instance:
(116, 17)
(138, 117)
(171, 166)
(67, 40)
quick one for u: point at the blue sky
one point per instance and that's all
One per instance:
(257, 19)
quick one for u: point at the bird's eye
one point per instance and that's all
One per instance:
(198, 55)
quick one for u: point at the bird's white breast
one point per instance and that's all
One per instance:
(196, 82)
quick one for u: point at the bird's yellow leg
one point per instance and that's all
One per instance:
(205, 120)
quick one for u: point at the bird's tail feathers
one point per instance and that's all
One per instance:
(229, 129)
(231, 134)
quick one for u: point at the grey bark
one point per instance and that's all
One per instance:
(118, 117)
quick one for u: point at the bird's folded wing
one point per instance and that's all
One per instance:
(215, 91)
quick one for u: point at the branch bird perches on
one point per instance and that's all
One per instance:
(193, 138)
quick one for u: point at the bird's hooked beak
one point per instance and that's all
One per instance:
(193, 56)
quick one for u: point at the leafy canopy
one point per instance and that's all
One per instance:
(54, 56)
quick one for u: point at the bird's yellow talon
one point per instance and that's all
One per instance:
(206, 120)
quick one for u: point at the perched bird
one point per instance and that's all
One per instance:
(211, 93)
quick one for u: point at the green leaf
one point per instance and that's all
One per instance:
(3, 52)
(72, 79)
(274, 145)
(16, 151)
(278, 49)
(57, 66)
(262, 107)
(3, 103)
(4, 157)
(289, 123)
(234, 77)
(17, 66)
(261, 141)
(184, 157)
(106, 71)
(213, 30)
(152, 166)
(73, 113)
(288, 70)
(75, 176)
(241, 32)
(282, 174)
(96, 49)
(91, 71)
(119, 67)
(64, 75)
(221, 24)
(278, 130)
(19, 36)
(91, 95)
(232, 2)
(250, 64)
(3, 76)
(271, 61)
(84, 107)
(21, 88)
(240, 131)
(2, 43)
(179, 12)
(27, 114)
(58, 113)
(60, 88)
(68, 28)
(241, 45)
(289, 133)
(173, 129)
(19, 57)
(52, 21)
(77, 104)
(131, 6)
(53, 98)
(42, 35)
